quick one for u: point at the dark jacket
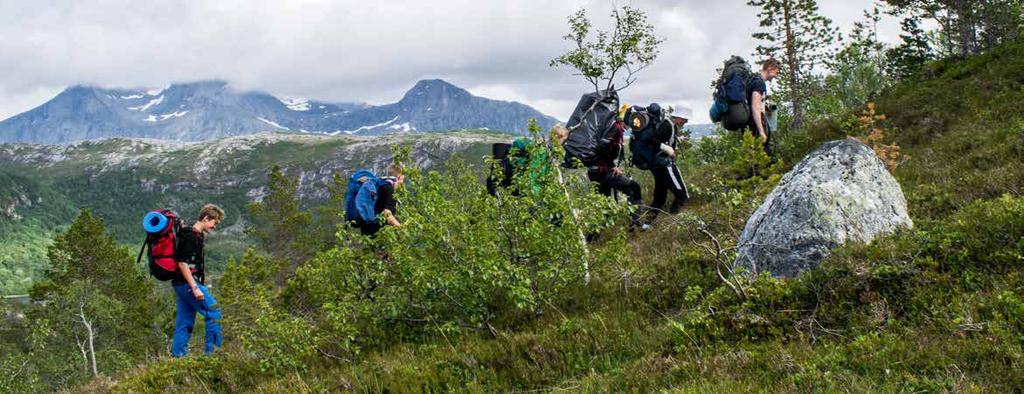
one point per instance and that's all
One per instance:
(651, 138)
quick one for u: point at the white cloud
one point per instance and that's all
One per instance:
(358, 51)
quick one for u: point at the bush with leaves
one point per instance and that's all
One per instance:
(266, 328)
(462, 258)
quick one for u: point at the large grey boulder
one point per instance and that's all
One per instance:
(839, 193)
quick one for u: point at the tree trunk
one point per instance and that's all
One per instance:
(579, 228)
(91, 335)
(793, 63)
(575, 218)
(965, 27)
(85, 355)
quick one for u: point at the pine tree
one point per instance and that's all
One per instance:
(282, 227)
(968, 27)
(802, 39)
(95, 305)
(858, 71)
(914, 51)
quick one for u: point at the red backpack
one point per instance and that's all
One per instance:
(163, 228)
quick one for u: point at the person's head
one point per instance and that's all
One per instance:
(560, 133)
(209, 217)
(395, 171)
(770, 69)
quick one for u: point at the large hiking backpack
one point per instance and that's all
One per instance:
(638, 120)
(730, 106)
(651, 119)
(506, 158)
(163, 230)
(361, 196)
(591, 126)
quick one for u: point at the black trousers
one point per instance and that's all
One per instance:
(667, 179)
(622, 183)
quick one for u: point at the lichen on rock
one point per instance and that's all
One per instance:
(839, 193)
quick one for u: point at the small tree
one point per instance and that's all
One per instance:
(906, 58)
(603, 57)
(282, 227)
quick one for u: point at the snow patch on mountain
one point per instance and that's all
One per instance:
(143, 108)
(132, 97)
(173, 115)
(370, 127)
(272, 123)
(406, 127)
(295, 104)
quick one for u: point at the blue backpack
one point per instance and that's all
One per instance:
(361, 196)
(730, 98)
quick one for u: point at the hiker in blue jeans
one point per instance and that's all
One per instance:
(189, 286)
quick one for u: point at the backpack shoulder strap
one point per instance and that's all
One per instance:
(145, 244)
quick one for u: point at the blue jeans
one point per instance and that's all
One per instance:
(185, 319)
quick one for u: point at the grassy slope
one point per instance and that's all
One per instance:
(936, 308)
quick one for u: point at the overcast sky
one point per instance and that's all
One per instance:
(362, 51)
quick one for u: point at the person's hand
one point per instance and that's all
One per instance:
(616, 171)
(763, 137)
(672, 152)
(198, 293)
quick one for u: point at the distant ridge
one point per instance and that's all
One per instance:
(204, 110)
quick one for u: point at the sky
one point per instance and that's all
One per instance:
(365, 51)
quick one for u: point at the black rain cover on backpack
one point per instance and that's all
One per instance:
(591, 126)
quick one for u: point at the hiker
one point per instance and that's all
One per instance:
(756, 94)
(370, 202)
(189, 284)
(517, 159)
(605, 169)
(654, 149)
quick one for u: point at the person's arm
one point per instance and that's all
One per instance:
(755, 107)
(390, 218)
(661, 136)
(387, 197)
(187, 273)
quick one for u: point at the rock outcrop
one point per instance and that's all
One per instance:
(839, 193)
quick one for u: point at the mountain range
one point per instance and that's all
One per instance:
(205, 110)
